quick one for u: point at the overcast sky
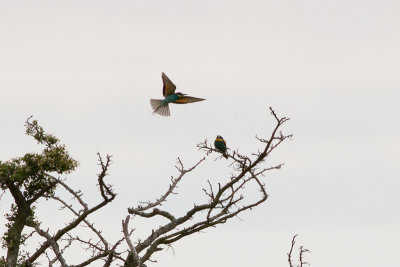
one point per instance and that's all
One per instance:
(87, 69)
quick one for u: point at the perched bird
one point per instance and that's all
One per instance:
(220, 145)
(160, 106)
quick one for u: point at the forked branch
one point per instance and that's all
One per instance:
(222, 201)
(302, 250)
(80, 217)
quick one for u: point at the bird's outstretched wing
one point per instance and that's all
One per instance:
(187, 99)
(168, 86)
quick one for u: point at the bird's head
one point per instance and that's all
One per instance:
(180, 94)
(219, 137)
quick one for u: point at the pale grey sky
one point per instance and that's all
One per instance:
(87, 69)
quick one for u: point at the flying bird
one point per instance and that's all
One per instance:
(160, 106)
(220, 145)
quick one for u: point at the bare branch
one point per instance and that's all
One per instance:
(77, 194)
(302, 251)
(291, 250)
(53, 243)
(172, 186)
(129, 242)
(90, 225)
(224, 201)
(105, 190)
(107, 195)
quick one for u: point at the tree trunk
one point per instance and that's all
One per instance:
(14, 233)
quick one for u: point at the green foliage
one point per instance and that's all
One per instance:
(33, 129)
(30, 175)
(29, 172)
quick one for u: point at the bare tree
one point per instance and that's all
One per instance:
(302, 250)
(35, 176)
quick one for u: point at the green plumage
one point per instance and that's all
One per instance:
(220, 145)
(160, 106)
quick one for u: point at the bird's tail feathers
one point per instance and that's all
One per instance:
(159, 107)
